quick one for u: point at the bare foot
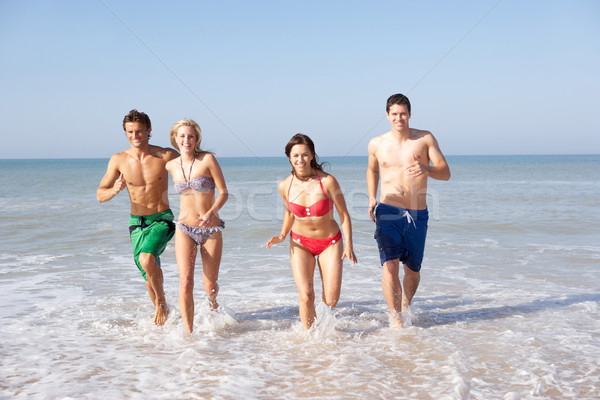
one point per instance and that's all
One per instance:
(405, 307)
(162, 312)
(396, 320)
(213, 304)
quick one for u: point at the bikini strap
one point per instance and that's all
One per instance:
(322, 188)
(291, 180)
(320, 183)
(191, 166)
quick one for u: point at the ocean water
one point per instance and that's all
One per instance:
(508, 306)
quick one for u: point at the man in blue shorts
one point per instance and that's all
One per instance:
(402, 159)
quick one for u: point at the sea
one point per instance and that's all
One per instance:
(508, 306)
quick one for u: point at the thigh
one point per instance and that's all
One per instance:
(185, 253)
(331, 266)
(211, 252)
(303, 266)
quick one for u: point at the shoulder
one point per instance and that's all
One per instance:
(376, 142)
(287, 180)
(284, 184)
(118, 158)
(166, 153)
(421, 134)
(207, 157)
(172, 162)
(328, 180)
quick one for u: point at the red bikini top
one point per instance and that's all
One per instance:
(318, 209)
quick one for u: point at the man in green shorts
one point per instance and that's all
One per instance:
(141, 169)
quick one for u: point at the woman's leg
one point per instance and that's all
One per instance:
(330, 266)
(211, 252)
(185, 253)
(303, 267)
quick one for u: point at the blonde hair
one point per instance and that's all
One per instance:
(186, 122)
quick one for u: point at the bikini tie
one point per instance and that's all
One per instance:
(409, 218)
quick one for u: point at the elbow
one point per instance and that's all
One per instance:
(447, 175)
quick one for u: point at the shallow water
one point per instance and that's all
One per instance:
(507, 307)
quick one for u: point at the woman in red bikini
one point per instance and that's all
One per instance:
(309, 195)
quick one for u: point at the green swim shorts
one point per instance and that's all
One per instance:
(150, 234)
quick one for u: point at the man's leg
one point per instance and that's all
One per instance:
(154, 283)
(392, 290)
(411, 283)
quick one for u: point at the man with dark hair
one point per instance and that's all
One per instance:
(402, 159)
(141, 169)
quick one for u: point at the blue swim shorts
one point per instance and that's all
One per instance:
(400, 234)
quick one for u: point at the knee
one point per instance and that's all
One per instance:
(389, 277)
(186, 283)
(307, 296)
(409, 273)
(211, 288)
(331, 301)
(331, 297)
(147, 261)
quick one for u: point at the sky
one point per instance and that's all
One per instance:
(485, 77)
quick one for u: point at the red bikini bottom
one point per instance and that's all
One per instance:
(316, 246)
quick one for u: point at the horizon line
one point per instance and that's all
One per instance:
(321, 157)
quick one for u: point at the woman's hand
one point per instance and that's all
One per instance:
(205, 220)
(349, 252)
(275, 240)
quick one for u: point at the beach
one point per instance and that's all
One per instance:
(507, 308)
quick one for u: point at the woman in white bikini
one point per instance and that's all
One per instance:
(196, 174)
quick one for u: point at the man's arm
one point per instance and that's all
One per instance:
(170, 154)
(112, 182)
(439, 170)
(436, 167)
(372, 178)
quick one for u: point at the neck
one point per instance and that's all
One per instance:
(187, 157)
(306, 177)
(402, 133)
(140, 151)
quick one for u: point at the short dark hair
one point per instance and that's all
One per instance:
(399, 99)
(136, 116)
(300, 138)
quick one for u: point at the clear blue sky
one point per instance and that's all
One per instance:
(485, 77)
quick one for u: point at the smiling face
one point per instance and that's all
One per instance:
(300, 158)
(398, 115)
(191, 128)
(187, 139)
(137, 134)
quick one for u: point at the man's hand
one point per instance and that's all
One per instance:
(372, 204)
(119, 185)
(416, 168)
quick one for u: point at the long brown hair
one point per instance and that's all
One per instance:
(300, 138)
